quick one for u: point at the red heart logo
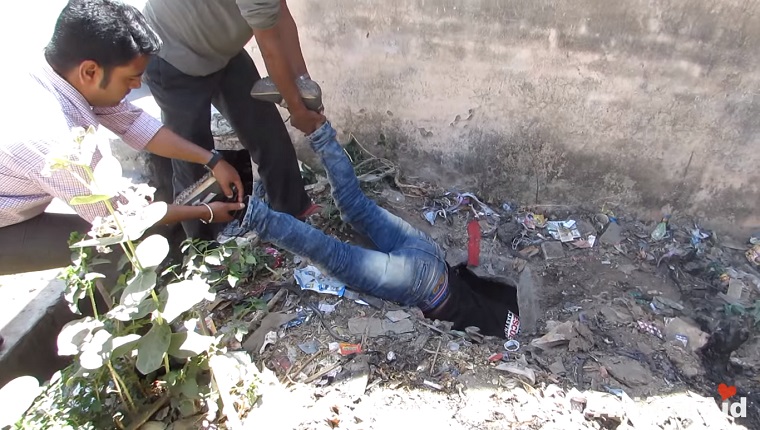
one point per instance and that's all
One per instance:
(726, 392)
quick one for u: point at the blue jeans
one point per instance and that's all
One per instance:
(408, 266)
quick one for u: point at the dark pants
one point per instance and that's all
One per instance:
(185, 103)
(40, 243)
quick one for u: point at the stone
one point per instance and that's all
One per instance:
(558, 368)
(616, 315)
(678, 326)
(374, 327)
(613, 235)
(627, 371)
(553, 250)
(585, 228)
(558, 335)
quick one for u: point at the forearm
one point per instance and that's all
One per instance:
(177, 213)
(168, 144)
(277, 63)
(288, 32)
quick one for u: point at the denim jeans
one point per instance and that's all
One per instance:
(408, 267)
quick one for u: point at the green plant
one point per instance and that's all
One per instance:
(232, 261)
(138, 332)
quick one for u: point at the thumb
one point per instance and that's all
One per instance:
(226, 189)
(234, 206)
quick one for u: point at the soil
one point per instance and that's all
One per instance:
(631, 333)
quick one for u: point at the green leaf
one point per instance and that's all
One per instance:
(138, 288)
(101, 241)
(233, 280)
(189, 344)
(152, 251)
(250, 259)
(108, 176)
(137, 225)
(88, 200)
(75, 334)
(97, 351)
(124, 344)
(152, 347)
(181, 296)
(93, 276)
(132, 313)
(213, 259)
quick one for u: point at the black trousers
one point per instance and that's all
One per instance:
(39, 243)
(185, 103)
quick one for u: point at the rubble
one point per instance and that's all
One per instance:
(622, 325)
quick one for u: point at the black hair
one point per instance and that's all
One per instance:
(107, 32)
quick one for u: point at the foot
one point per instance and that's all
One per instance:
(264, 89)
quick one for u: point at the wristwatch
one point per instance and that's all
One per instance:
(215, 157)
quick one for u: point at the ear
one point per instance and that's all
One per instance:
(90, 73)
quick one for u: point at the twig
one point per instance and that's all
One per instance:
(302, 366)
(121, 388)
(270, 305)
(435, 356)
(321, 374)
(148, 412)
(432, 327)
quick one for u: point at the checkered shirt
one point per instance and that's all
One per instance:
(45, 110)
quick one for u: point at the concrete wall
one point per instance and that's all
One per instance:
(636, 102)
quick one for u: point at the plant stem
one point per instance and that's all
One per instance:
(92, 299)
(121, 388)
(166, 363)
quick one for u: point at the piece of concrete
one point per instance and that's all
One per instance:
(553, 250)
(613, 235)
(374, 327)
(32, 313)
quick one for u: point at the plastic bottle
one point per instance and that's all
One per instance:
(661, 230)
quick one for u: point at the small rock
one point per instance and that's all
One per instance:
(396, 316)
(519, 370)
(558, 335)
(585, 228)
(613, 235)
(553, 250)
(628, 371)
(697, 338)
(615, 315)
(627, 269)
(558, 368)
(686, 362)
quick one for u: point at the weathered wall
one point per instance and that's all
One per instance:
(637, 102)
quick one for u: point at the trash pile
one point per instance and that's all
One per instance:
(633, 316)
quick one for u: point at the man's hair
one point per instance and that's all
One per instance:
(107, 32)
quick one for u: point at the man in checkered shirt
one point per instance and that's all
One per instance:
(96, 56)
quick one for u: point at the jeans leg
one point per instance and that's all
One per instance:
(185, 103)
(262, 132)
(391, 276)
(387, 231)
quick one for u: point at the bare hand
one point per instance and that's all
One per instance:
(306, 120)
(227, 176)
(222, 210)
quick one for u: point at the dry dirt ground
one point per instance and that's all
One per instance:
(630, 333)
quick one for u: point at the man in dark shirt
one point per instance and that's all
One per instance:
(408, 267)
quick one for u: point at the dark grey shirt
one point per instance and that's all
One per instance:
(200, 36)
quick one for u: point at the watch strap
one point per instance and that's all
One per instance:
(215, 157)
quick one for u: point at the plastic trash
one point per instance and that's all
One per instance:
(311, 278)
(661, 230)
